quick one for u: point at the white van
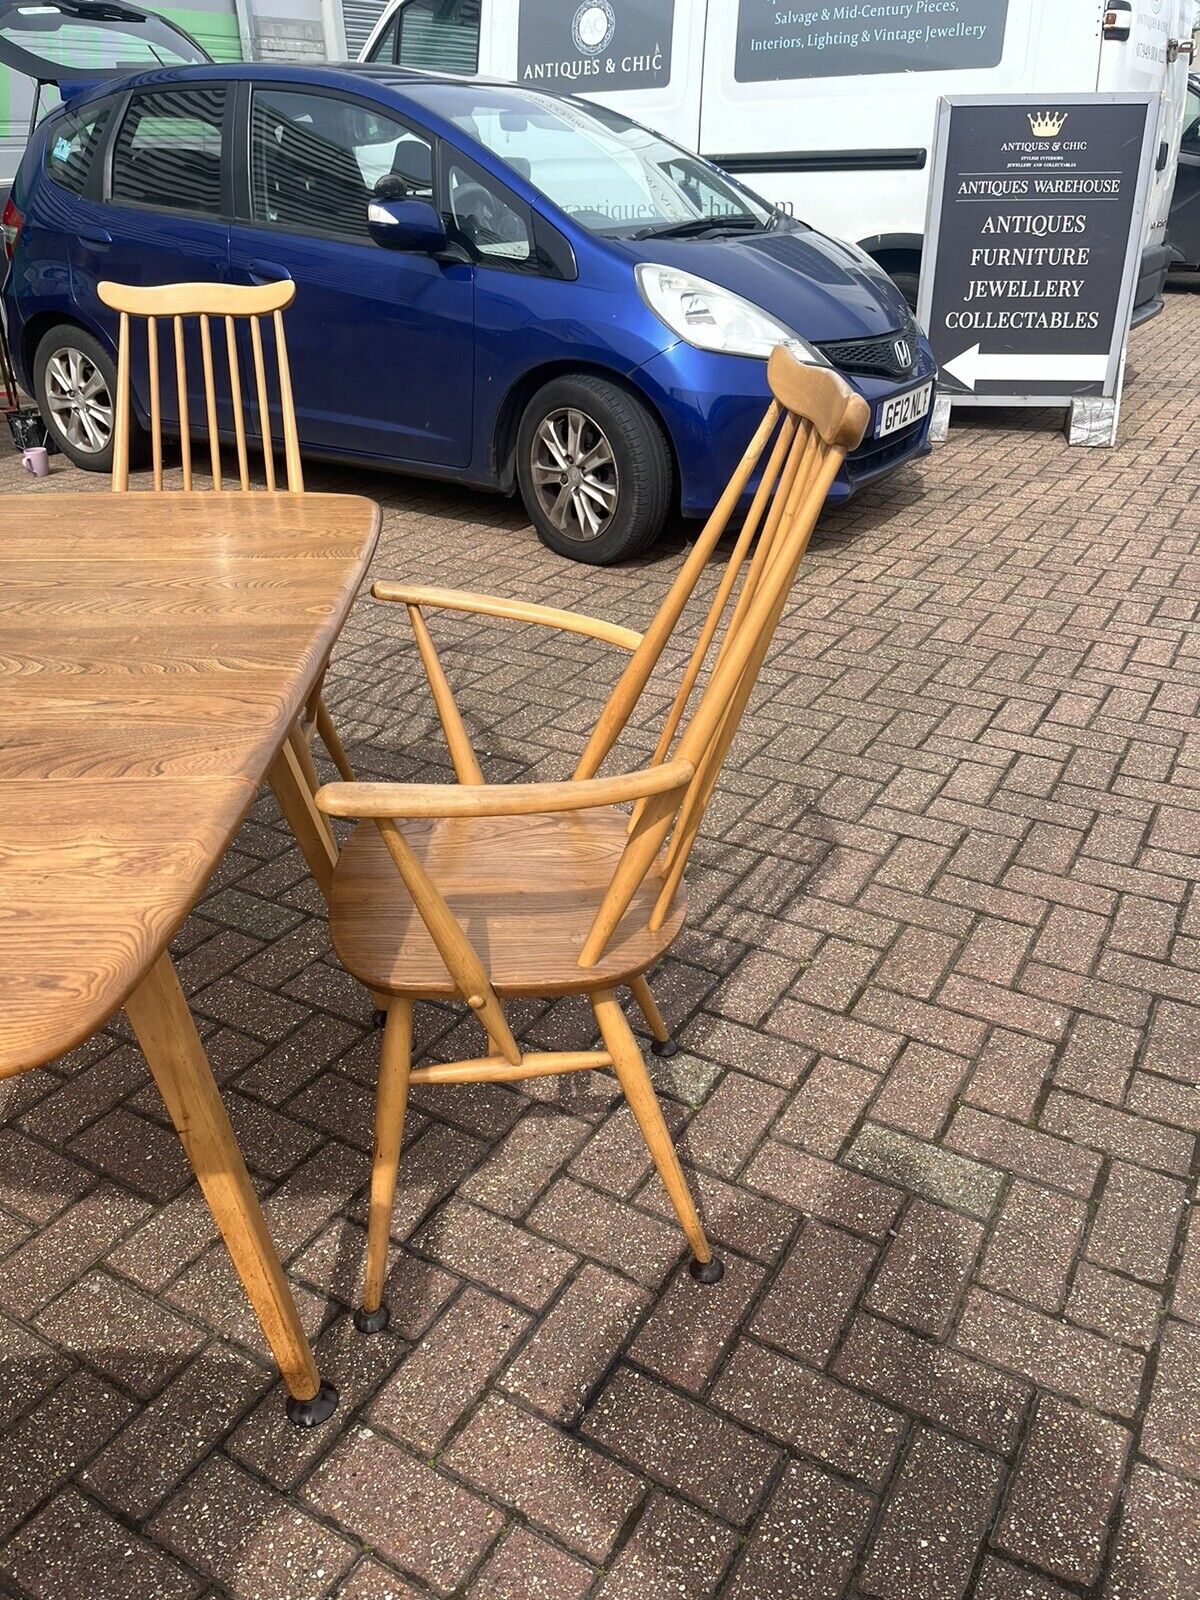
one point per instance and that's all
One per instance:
(826, 108)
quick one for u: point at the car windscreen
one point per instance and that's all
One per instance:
(57, 42)
(611, 175)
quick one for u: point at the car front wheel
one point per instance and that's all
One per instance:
(594, 469)
(75, 380)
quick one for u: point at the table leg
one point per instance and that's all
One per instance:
(159, 1016)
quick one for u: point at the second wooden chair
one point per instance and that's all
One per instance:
(227, 306)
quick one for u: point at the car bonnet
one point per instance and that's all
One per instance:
(812, 284)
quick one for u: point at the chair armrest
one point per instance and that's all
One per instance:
(395, 800)
(487, 605)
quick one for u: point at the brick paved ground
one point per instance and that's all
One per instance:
(941, 1008)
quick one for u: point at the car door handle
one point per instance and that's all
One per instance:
(98, 238)
(268, 272)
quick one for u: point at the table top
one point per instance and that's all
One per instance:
(154, 652)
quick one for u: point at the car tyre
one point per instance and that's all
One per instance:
(75, 383)
(594, 469)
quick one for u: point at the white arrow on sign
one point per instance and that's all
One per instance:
(974, 367)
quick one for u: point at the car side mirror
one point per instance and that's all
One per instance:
(412, 225)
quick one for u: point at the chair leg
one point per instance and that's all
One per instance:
(331, 739)
(299, 738)
(662, 1043)
(635, 1082)
(395, 1062)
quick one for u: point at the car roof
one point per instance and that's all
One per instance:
(403, 88)
(405, 80)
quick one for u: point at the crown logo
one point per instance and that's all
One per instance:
(1047, 124)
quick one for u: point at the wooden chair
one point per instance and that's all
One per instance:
(488, 892)
(230, 304)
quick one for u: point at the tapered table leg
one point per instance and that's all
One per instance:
(159, 1016)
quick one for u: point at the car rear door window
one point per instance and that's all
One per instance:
(317, 160)
(72, 149)
(169, 148)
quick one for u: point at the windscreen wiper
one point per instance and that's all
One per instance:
(696, 227)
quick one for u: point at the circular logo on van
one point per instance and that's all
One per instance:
(593, 28)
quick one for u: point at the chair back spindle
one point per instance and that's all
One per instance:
(813, 421)
(205, 303)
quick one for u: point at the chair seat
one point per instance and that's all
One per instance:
(524, 890)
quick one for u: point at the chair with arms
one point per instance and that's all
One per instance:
(229, 304)
(487, 892)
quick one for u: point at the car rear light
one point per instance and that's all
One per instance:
(10, 227)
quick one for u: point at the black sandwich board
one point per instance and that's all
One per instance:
(1037, 214)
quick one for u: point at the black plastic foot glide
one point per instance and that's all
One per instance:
(371, 1321)
(666, 1048)
(312, 1413)
(378, 1018)
(707, 1271)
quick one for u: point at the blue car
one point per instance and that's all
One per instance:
(496, 285)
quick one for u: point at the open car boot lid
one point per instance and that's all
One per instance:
(86, 41)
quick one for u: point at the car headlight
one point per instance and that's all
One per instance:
(712, 318)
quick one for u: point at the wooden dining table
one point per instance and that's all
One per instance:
(156, 652)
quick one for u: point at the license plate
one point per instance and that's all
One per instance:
(903, 409)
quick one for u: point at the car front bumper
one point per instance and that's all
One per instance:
(711, 405)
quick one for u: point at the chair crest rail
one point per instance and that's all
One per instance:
(176, 304)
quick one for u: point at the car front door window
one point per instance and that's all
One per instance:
(316, 161)
(494, 225)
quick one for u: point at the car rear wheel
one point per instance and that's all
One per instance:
(594, 469)
(75, 380)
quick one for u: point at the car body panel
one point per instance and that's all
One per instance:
(804, 279)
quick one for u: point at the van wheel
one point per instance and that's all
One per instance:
(75, 382)
(595, 470)
(904, 269)
(909, 285)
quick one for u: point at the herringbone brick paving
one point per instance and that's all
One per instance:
(941, 1008)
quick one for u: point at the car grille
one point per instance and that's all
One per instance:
(875, 454)
(877, 357)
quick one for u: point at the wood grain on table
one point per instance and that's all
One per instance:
(154, 653)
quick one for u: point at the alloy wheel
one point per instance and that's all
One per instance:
(574, 473)
(79, 401)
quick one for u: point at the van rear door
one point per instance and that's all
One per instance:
(1155, 59)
